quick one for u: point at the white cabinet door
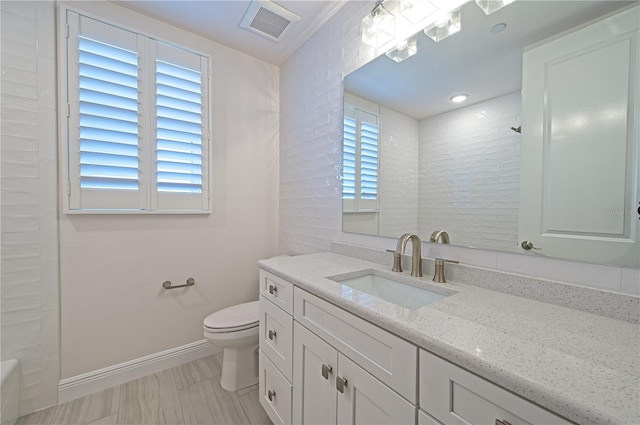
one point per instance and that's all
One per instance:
(579, 171)
(314, 370)
(425, 419)
(366, 401)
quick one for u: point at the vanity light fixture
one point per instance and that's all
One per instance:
(445, 26)
(416, 11)
(379, 26)
(392, 22)
(404, 50)
(490, 6)
(459, 98)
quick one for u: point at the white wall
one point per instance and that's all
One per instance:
(470, 174)
(310, 158)
(113, 266)
(29, 295)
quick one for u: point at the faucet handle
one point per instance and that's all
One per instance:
(397, 261)
(438, 275)
(441, 261)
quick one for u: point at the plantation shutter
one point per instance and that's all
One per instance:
(138, 121)
(349, 157)
(180, 123)
(360, 160)
(368, 160)
(103, 116)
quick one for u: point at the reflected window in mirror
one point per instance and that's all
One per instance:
(360, 160)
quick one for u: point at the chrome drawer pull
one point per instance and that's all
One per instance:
(273, 289)
(271, 395)
(272, 334)
(340, 384)
(502, 422)
(326, 371)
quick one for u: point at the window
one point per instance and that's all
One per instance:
(360, 160)
(137, 121)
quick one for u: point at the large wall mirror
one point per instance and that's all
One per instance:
(415, 161)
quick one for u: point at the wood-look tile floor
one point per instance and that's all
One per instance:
(185, 395)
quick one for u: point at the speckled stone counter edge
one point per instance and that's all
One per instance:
(596, 301)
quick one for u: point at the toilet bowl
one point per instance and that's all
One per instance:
(235, 329)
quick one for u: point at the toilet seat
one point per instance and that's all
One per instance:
(233, 319)
(235, 329)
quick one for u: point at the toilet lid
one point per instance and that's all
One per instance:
(240, 316)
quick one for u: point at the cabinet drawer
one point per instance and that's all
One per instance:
(390, 359)
(276, 334)
(277, 290)
(275, 392)
(455, 396)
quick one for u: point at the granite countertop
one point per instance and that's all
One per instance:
(578, 365)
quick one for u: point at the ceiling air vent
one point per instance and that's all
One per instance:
(268, 19)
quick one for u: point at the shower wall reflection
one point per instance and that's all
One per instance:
(469, 177)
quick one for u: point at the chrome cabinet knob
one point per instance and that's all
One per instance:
(272, 334)
(271, 395)
(273, 289)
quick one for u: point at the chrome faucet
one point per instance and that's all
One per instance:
(440, 235)
(438, 275)
(416, 254)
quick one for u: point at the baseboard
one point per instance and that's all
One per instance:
(97, 380)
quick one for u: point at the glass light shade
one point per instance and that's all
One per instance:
(445, 26)
(416, 11)
(490, 6)
(406, 49)
(378, 27)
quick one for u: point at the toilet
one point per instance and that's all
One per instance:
(235, 329)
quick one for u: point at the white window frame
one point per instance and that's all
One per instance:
(150, 201)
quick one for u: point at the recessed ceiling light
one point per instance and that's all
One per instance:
(459, 98)
(498, 28)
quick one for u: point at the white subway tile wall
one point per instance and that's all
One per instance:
(29, 188)
(310, 162)
(470, 173)
(398, 173)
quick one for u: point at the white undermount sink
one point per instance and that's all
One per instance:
(391, 289)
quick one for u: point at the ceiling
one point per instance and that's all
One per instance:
(219, 20)
(474, 61)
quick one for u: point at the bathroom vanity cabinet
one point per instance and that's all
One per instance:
(276, 347)
(322, 364)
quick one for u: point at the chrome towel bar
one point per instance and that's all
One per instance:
(167, 284)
